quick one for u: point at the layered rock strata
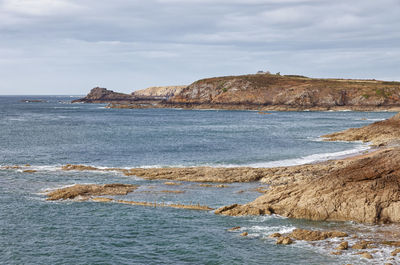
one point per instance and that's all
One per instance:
(85, 192)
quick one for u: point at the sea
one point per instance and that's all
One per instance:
(48, 134)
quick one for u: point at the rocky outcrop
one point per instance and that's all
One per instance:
(103, 95)
(379, 133)
(85, 192)
(260, 92)
(364, 189)
(314, 235)
(159, 91)
(154, 205)
(268, 91)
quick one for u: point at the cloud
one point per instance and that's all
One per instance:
(127, 44)
(38, 7)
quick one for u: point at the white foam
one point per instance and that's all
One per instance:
(311, 158)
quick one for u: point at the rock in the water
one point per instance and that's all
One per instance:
(103, 95)
(284, 240)
(240, 210)
(86, 191)
(343, 246)
(360, 245)
(234, 228)
(310, 235)
(244, 234)
(275, 235)
(395, 252)
(367, 255)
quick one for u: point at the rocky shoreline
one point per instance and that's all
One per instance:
(264, 92)
(364, 188)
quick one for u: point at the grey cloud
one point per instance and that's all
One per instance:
(125, 45)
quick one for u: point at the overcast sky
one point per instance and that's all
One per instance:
(69, 46)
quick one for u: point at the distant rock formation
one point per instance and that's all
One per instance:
(159, 91)
(260, 92)
(103, 95)
(296, 92)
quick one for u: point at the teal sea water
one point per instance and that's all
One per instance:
(50, 134)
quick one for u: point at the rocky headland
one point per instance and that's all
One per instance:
(364, 188)
(261, 92)
(146, 97)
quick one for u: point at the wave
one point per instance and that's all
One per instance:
(311, 158)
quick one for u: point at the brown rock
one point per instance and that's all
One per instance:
(379, 133)
(273, 92)
(360, 245)
(102, 199)
(364, 189)
(172, 183)
(234, 228)
(309, 235)
(244, 234)
(336, 253)
(29, 171)
(86, 191)
(275, 235)
(395, 252)
(366, 255)
(284, 241)
(103, 95)
(240, 210)
(69, 167)
(343, 246)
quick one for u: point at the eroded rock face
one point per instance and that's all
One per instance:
(289, 91)
(364, 189)
(379, 133)
(84, 192)
(160, 91)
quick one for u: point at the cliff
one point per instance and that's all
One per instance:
(289, 92)
(365, 188)
(159, 91)
(260, 92)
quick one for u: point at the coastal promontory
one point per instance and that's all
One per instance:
(263, 92)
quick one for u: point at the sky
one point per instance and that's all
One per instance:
(67, 47)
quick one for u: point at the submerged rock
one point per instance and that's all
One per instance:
(86, 191)
(366, 255)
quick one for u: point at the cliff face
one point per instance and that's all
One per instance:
(291, 91)
(364, 188)
(101, 95)
(159, 91)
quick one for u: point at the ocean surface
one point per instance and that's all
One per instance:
(53, 133)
